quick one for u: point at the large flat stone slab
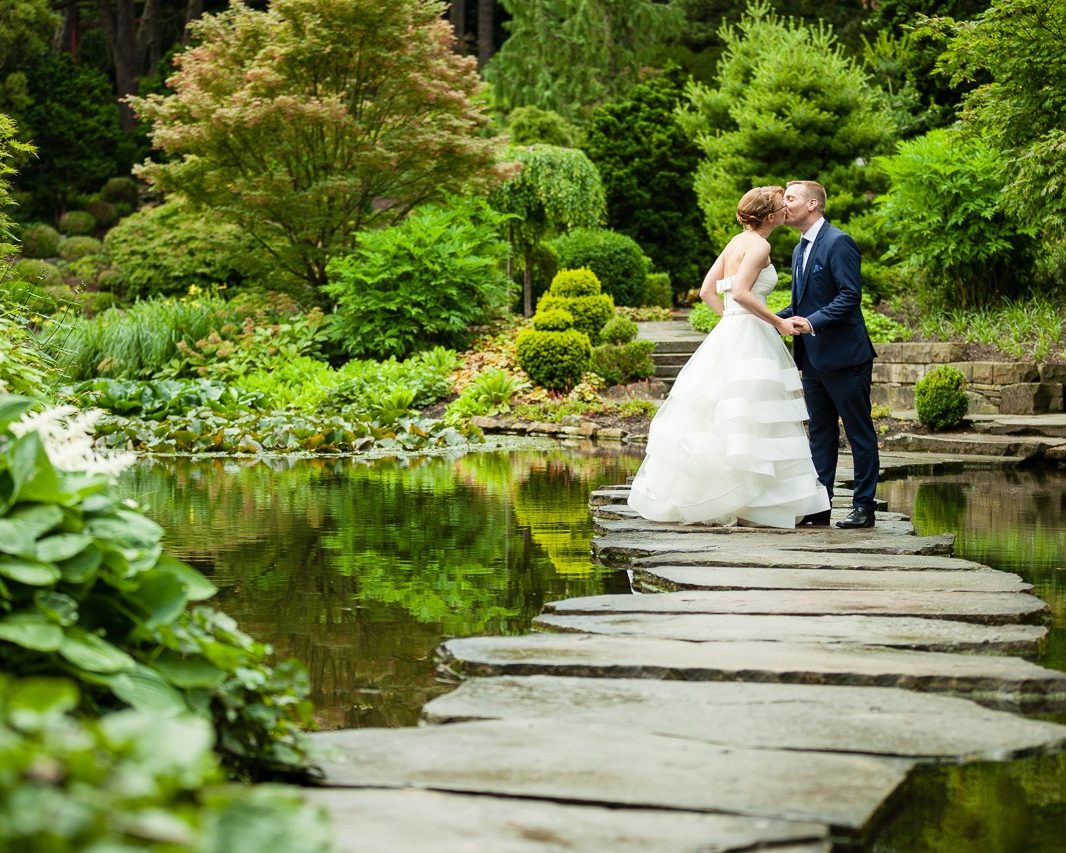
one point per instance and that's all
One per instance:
(375, 820)
(578, 763)
(1004, 682)
(935, 635)
(673, 578)
(778, 558)
(876, 720)
(623, 548)
(988, 608)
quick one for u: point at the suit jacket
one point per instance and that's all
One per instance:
(829, 294)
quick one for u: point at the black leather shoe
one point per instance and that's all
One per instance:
(858, 517)
(815, 519)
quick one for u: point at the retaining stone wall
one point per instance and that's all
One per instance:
(994, 387)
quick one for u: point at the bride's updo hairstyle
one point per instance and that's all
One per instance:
(757, 205)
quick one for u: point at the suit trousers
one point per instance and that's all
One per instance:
(843, 395)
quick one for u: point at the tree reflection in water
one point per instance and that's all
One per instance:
(361, 569)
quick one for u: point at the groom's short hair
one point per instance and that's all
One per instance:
(812, 189)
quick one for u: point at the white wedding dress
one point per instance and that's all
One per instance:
(728, 445)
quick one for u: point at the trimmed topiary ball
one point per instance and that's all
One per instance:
(120, 191)
(619, 330)
(73, 248)
(658, 290)
(939, 398)
(77, 222)
(40, 241)
(579, 282)
(104, 212)
(553, 320)
(553, 360)
(590, 311)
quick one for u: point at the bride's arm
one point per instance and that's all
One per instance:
(751, 265)
(709, 288)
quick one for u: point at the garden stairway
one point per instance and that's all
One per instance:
(675, 341)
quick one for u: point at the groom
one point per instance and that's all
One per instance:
(832, 349)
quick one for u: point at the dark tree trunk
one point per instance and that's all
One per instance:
(527, 285)
(65, 38)
(194, 9)
(457, 16)
(120, 24)
(149, 41)
(485, 24)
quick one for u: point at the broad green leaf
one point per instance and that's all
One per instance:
(162, 597)
(62, 546)
(40, 518)
(17, 539)
(83, 566)
(188, 672)
(197, 587)
(58, 607)
(32, 700)
(31, 631)
(12, 408)
(125, 526)
(93, 653)
(146, 690)
(32, 475)
(29, 572)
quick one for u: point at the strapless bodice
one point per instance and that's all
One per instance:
(764, 285)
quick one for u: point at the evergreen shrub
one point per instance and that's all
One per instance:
(120, 191)
(545, 262)
(77, 222)
(73, 248)
(529, 125)
(616, 259)
(622, 363)
(553, 320)
(939, 398)
(104, 212)
(657, 290)
(40, 241)
(553, 360)
(38, 272)
(590, 312)
(619, 330)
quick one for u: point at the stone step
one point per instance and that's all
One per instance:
(962, 443)
(931, 635)
(670, 359)
(623, 767)
(1007, 683)
(667, 372)
(985, 608)
(814, 560)
(378, 820)
(872, 720)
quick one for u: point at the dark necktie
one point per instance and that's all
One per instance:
(804, 243)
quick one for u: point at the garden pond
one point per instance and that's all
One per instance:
(360, 568)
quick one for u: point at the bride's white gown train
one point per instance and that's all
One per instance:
(728, 445)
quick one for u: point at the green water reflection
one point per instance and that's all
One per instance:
(1015, 521)
(361, 569)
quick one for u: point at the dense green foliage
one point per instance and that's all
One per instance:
(940, 398)
(75, 222)
(552, 190)
(419, 284)
(658, 291)
(553, 320)
(617, 261)
(39, 240)
(618, 330)
(787, 104)
(315, 120)
(944, 213)
(531, 125)
(73, 248)
(553, 360)
(647, 163)
(568, 55)
(623, 362)
(489, 394)
(1013, 51)
(90, 595)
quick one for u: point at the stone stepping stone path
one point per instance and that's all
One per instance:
(762, 689)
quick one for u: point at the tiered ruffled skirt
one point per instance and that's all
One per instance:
(728, 446)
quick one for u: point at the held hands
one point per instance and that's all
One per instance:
(796, 326)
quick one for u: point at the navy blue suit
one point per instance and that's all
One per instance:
(837, 360)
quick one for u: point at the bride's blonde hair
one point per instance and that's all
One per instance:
(757, 204)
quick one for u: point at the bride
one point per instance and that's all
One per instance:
(728, 445)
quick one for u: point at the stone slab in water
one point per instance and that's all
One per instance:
(669, 578)
(611, 522)
(997, 681)
(937, 635)
(806, 544)
(875, 720)
(606, 765)
(378, 820)
(987, 608)
(779, 558)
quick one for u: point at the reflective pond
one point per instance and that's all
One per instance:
(361, 569)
